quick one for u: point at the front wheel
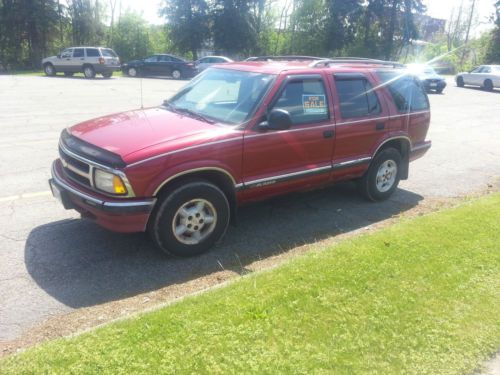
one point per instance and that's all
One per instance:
(383, 176)
(88, 72)
(49, 70)
(190, 219)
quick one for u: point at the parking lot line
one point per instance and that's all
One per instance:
(25, 196)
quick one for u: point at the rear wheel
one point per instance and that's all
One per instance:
(190, 219)
(460, 81)
(49, 70)
(383, 176)
(488, 85)
(88, 71)
(176, 74)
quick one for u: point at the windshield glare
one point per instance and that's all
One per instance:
(224, 95)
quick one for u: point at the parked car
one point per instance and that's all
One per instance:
(485, 76)
(241, 133)
(87, 60)
(160, 65)
(205, 62)
(428, 77)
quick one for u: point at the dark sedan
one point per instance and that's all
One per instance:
(428, 76)
(160, 65)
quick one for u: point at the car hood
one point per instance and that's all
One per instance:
(136, 135)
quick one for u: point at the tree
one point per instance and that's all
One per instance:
(341, 23)
(188, 22)
(493, 51)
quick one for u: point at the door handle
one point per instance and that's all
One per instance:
(328, 134)
(380, 126)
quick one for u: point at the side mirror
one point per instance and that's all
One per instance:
(277, 119)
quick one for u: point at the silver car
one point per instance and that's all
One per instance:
(87, 60)
(485, 76)
(207, 61)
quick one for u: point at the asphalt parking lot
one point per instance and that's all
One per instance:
(53, 263)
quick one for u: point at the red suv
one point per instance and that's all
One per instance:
(239, 133)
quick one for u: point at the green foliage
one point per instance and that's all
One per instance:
(131, 38)
(420, 297)
(492, 55)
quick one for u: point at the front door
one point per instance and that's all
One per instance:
(275, 162)
(76, 62)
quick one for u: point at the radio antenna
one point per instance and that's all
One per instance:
(142, 105)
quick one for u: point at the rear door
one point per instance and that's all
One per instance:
(164, 65)
(274, 161)
(361, 123)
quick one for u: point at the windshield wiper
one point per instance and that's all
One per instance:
(193, 114)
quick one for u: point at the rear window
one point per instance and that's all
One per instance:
(92, 52)
(106, 52)
(406, 91)
(356, 96)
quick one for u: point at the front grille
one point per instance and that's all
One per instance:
(76, 170)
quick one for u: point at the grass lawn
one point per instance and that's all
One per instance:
(420, 297)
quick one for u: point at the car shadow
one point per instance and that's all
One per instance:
(81, 265)
(96, 78)
(477, 88)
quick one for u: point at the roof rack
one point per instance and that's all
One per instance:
(354, 60)
(284, 58)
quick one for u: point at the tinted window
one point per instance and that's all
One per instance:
(305, 100)
(176, 59)
(406, 91)
(151, 59)
(356, 97)
(92, 52)
(164, 58)
(78, 52)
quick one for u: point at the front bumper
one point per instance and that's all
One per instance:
(125, 215)
(434, 85)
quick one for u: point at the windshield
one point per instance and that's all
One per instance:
(420, 69)
(222, 95)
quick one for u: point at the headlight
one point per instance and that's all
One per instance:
(108, 182)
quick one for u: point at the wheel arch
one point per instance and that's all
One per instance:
(403, 145)
(215, 175)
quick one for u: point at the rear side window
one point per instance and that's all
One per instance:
(92, 52)
(78, 52)
(305, 100)
(165, 58)
(106, 52)
(407, 93)
(356, 97)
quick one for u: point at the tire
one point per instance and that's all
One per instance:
(460, 81)
(68, 74)
(88, 72)
(179, 226)
(176, 74)
(132, 72)
(49, 70)
(107, 75)
(488, 85)
(383, 176)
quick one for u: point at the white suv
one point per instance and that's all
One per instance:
(88, 60)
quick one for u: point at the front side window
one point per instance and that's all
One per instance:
(477, 70)
(407, 92)
(222, 95)
(356, 97)
(165, 58)
(68, 52)
(305, 100)
(78, 52)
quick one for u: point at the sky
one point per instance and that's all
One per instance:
(435, 8)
